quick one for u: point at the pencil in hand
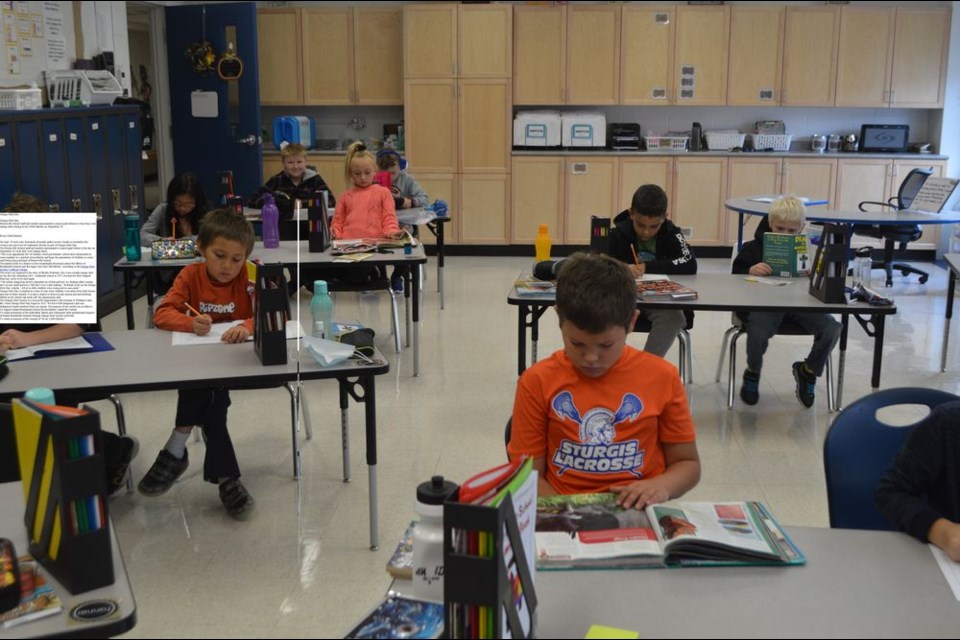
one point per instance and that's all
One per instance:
(189, 308)
(636, 258)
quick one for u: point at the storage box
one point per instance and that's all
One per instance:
(78, 87)
(583, 129)
(294, 130)
(23, 98)
(536, 129)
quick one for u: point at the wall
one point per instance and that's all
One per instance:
(30, 29)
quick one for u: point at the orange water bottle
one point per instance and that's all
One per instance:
(542, 244)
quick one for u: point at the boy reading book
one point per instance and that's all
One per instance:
(600, 415)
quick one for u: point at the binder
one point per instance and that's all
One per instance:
(272, 310)
(64, 485)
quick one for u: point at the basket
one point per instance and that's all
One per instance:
(20, 99)
(666, 143)
(724, 140)
(771, 141)
(82, 87)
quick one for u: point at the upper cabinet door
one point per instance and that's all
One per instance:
(920, 57)
(756, 55)
(702, 51)
(485, 41)
(328, 56)
(810, 40)
(378, 41)
(484, 108)
(430, 114)
(593, 54)
(865, 56)
(430, 41)
(278, 49)
(539, 54)
(646, 54)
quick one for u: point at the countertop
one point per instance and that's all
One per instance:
(593, 151)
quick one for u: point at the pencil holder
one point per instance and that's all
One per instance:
(64, 486)
(828, 276)
(318, 236)
(488, 587)
(599, 235)
(272, 312)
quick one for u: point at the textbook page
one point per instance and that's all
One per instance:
(184, 339)
(951, 569)
(77, 343)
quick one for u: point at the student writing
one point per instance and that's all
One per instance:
(185, 205)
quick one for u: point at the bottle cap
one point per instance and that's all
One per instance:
(41, 395)
(543, 228)
(268, 198)
(319, 286)
(436, 491)
(864, 252)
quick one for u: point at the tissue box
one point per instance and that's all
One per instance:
(536, 129)
(583, 129)
(173, 249)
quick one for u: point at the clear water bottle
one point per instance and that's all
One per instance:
(321, 311)
(862, 266)
(131, 237)
(271, 222)
(428, 538)
(955, 239)
(542, 244)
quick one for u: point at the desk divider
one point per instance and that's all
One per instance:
(828, 277)
(271, 315)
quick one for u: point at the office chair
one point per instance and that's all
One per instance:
(787, 328)
(858, 450)
(893, 234)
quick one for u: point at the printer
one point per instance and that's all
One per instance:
(624, 136)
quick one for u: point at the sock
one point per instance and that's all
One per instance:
(177, 444)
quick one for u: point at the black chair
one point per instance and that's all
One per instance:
(893, 234)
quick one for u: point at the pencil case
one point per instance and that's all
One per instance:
(173, 249)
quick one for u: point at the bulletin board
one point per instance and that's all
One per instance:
(37, 36)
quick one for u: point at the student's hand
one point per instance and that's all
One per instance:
(12, 339)
(201, 325)
(946, 535)
(399, 235)
(637, 269)
(235, 334)
(761, 269)
(641, 493)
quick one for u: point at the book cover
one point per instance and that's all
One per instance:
(400, 564)
(37, 597)
(787, 254)
(528, 286)
(400, 617)
(664, 290)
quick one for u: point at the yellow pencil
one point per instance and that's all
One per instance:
(195, 312)
(636, 258)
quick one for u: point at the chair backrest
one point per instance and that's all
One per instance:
(911, 186)
(859, 449)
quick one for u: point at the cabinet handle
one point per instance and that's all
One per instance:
(96, 206)
(115, 194)
(134, 204)
(77, 205)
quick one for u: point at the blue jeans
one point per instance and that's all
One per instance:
(761, 326)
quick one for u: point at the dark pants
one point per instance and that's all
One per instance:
(208, 409)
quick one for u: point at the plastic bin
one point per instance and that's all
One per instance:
(82, 87)
(724, 140)
(21, 98)
(666, 143)
(776, 142)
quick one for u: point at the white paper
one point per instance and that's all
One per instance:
(327, 352)
(78, 343)
(203, 104)
(184, 339)
(950, 569)
(647, 277)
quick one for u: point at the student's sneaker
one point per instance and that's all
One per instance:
(236, 499)
(806, 383)
(396, 283)
(164, 472)
(750, 389)
(118, 452)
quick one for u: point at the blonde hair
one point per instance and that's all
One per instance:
(357, 151)
(293, 149)
(788, 210)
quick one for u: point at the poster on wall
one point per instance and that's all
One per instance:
(38, 36)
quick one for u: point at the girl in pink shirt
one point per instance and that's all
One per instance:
(366, 210)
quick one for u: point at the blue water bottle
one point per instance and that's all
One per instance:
(321, 310)
(271, 222)
(131, 237)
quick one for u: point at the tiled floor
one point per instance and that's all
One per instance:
(301, 566)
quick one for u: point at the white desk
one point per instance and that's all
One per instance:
(862, 584)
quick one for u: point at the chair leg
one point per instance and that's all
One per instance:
(732, 370)
(723, 349)
(122, 430)
(395, 319)
(831, 392)
(685, 357)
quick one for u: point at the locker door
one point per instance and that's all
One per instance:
(55, 162)
(27, 143)
(8, 183)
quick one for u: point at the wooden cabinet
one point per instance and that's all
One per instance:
(378, 41)
(279, 57)
(485, 41)
(810, 40)
(647, 37)
(859, 180)
(593, 54)
(484, 110)
(449, 40)
(328, 50)
(591, 187)
(429, 40)
(756, 52)
(920, 45)
(333, 171)
(747, 177)
(697, 199)
(538, 197)
(484, 208)
(635, 172)
(430, 116)
(865, 56)
(539, 54)
(812, 178)
(701, 54)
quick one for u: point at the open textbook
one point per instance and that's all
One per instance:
(590, 531)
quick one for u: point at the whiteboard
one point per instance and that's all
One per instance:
(36, 36)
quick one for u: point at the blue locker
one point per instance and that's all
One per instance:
(8, 185)
(77, 185)
(55, 163)
(98, 197)
(27, 143)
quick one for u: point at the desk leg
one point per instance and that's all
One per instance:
(345, 428)
(528, 316)
(151, 297)
(416, 319)
(294, 390)
(879, 322)
(406, 308)
(440, 257)
(370, 399)
(128, 296)
(951, 284)
(842, 363)
(740, 223)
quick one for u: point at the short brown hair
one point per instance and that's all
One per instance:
(596, 292)
(649, 200)
(293, 149)
(25, 203)
(225, 223)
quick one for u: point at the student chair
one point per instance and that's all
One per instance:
(787, 328)
(893, 234)
(380, 283)
(684, 355)
(858, 450)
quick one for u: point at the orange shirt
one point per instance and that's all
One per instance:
(598, 432)
(222, 302)
(365, 213)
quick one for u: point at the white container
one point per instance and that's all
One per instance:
(536, 129)
(86, 87)
(23, 98)
(428, 539)
(583, 129)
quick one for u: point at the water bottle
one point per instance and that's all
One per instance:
(131, 237)
(542, 244)
(428, 539)
(955, 239)
(321, 310)
(40, 395)
(271, 222)
(862, 266)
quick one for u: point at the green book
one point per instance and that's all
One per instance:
(787, 254)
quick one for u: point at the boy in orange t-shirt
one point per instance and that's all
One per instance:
(600, 415)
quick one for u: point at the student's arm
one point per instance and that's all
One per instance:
(15, 339)
(255, 201)
(389, 227)
(750, 254)
(946, 535)
(681, 474)
(528, 431)
(339, 217)
(414, 193)
(154, 226)
(172, 314)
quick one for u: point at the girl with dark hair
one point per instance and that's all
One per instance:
(186, 203)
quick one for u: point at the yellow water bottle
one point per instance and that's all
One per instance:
(542, 244)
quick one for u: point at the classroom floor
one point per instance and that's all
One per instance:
(301, 565)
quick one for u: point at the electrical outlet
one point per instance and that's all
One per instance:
(687, 232)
